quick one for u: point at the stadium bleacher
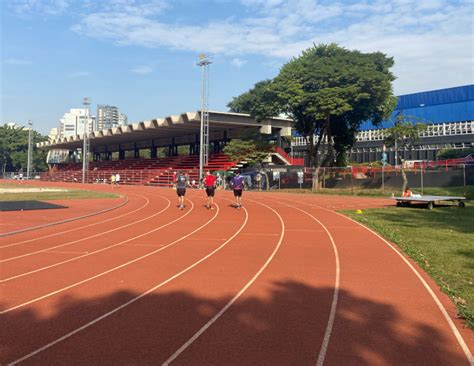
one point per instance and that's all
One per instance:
(156, 172)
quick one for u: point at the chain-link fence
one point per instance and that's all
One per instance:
(287, 177)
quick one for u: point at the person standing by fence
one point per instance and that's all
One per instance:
(210, 185)
(237, 184)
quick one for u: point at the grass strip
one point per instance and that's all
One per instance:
(62, 195)
(375, 192)
(439, 240)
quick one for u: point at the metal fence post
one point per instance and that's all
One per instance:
(464, 178)
(421, 177)
(352, 181)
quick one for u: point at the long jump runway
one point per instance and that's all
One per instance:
(284, 281)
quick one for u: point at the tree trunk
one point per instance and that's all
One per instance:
(404, 177)
(315, 180)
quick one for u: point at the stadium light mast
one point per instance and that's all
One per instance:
(203, 63)
(29, 164)
(85, 146)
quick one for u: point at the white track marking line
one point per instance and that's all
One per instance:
(235, 298)
(81, 227)
(87, 237)
(60, 252)
(117, 267)
(65, 221)
(97, 251)
(335, 297)
(448, 319)
(87, 325)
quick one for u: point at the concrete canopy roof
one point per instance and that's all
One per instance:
(185, 124)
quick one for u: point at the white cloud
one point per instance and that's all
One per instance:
(237, 62)
(431, 40)
(47, 7)
(15, 61)
(142, 70)
(79, 74)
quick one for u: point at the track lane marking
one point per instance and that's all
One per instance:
(80, 227)
(332, 313)
(65, 221)
(235, 298)
(435, 298)
(87, 325)
(96, 251)
(88, 237)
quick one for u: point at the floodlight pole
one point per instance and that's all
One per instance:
(204, 62)
(30, 150)
(85, 145)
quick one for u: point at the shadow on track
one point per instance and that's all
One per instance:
(285, 326)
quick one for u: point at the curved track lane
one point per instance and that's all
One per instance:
(286, 280)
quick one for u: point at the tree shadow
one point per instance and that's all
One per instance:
(470, 257)
(449, 216)
(284, 326)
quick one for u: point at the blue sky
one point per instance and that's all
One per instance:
(140, 55)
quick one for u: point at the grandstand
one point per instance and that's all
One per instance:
(169, 134)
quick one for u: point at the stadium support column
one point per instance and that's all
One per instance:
(204, 62)
(153, 152)
(121, 153)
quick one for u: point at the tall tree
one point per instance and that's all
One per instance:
(14, 149)
(328, 91)
(403, 136)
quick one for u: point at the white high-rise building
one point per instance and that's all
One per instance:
(108, 116)
(123, 119)
(73, 122)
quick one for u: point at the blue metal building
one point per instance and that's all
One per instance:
(436, 106)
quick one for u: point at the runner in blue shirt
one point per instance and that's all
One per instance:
(237, 184)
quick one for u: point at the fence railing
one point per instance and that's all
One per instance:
(350, 178)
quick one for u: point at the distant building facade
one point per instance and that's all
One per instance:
(448, 114)
(109, 116)
(73, 122)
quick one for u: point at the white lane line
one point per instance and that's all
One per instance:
(96, 251)
(64, 221)
(235, 298)
(60, 252)
(441, 307)
(81, 227)
(335, 297)
(87, 325)
(87, 237)
(117, 267)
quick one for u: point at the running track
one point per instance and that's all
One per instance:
(284, 281)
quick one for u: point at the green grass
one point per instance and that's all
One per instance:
(440, 241)
(47, 196)
(373, 192)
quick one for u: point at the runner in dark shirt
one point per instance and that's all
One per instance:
(237, 183)
(210, 185)
(181, 183)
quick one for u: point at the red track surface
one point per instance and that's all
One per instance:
(284, 281)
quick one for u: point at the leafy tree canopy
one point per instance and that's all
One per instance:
(14, 149)
(328, 91)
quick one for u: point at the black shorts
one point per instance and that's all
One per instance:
(237, 192)
(180, 191)
(210, 191)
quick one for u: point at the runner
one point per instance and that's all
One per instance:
(117, 179)
(210, 185)
(237, 184)
(181, 183)
(112, 180)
